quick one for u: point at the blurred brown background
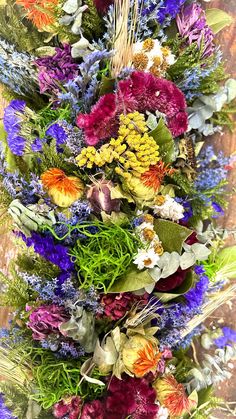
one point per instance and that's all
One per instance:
(226, 315)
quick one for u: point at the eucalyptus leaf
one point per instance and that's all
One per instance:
(86, 369)
(218, 19)
(172, 235)
(169, 263)
(164, 139)
(70, 6)
(226, 259)
(187, 259)
(133, 280)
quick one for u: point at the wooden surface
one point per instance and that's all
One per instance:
(226, 315)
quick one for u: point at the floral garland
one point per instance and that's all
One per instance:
(112, 194)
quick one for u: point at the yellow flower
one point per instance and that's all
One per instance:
(64, 190)
(141, 356)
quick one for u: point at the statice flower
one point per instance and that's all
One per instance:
(192, 26)
(5, 412)
(168, 9)
(46, 320)
(18, 123)
(16, 70)
(56, 70)
(228, 338)
(212, 169)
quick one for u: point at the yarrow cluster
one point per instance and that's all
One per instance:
(111, 195)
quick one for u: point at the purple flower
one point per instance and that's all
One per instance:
(218, 209)
(46, 320)
(192, 25)
(12, 124)
(5, 412)
(169, 9)
(229, 337)
(55, 253)
(36, 146)
(56, 70)
(57, 132)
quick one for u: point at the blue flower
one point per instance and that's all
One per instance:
(229, 337)
(12, 124)
(5, 412)
(57, 132)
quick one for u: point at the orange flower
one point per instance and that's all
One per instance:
(64, 190)
(172, 395)
(147, 361)
(155, 175)
(40, 12)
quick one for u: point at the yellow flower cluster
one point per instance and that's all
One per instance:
(133, 151)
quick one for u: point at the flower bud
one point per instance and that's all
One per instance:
(99, 196)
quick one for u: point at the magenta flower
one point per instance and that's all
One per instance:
(45, 320)
(141, 92)
(70, 407)
(192, 25)
(130, 396)
(93, 410)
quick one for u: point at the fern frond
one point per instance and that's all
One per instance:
(16, 290)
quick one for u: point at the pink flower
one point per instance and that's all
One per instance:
(70, 407)
(46, 320)
(141, 92)
(101, 122)
(93, 410)
(117, 305)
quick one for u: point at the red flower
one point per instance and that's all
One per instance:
(141, 92)
(117, 305)
(172, 282)
(130, 396)
(102, 5)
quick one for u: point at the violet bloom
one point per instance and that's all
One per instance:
(46, 320)
(56, 70)
(12, 120)
(5, 412)
(192, 25)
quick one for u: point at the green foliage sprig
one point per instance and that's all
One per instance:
(104, 255)
(16, 293)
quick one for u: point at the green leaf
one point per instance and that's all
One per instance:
(204, 395)
(218, 19)
(164, 139)
(226, 259)
(172, 235)
(106, 85)
(133, 280)
(185, 287)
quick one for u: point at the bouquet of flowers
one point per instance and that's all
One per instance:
(112, 193)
